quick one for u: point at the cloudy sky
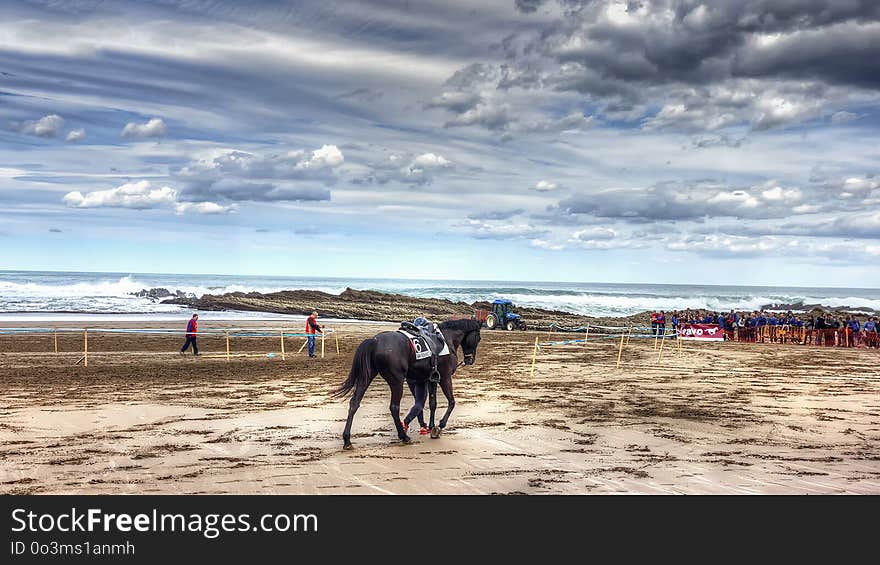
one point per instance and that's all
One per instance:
(678, 141)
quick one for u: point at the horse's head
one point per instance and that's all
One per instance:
(464, 333)
(469, 346)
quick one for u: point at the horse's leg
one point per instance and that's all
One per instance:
(396, 385)
(353, 406)
(446, 385)
(432, 401)
(418, 391)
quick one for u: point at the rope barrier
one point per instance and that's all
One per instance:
(591, 327)
(669, 333)
(242, 332)
(226, 333)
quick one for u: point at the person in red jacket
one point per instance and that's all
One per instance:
(312, 328)
(191, 328)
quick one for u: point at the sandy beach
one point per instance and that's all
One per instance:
(718, 418)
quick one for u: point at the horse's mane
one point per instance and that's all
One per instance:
(465, 325)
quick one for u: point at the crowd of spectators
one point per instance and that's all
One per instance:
(776, 327)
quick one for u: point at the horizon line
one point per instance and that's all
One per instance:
(417, 279)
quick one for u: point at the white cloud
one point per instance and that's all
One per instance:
(409, 169)
(430, 160)
(153, 128)
(76, 135)
(204, 208)
(328, 156)
(47, 126)
(137, 195)
(725, 245)
(736, 198)
(549, 245)
(502, 230)
(546, 186)
(594, 234)
(487, 114)
(141, 195)
(778, 111)
(843, 117)
(779, 194)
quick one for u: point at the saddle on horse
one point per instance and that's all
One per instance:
(427, 341)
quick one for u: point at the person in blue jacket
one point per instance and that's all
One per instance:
(854, 327)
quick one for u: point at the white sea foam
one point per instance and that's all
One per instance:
(103, 294)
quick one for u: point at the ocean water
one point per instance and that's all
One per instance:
(33, 295)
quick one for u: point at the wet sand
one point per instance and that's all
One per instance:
(717, 419)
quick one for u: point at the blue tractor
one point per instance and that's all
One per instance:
(502, 316)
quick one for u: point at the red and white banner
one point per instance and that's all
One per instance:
(701, 331)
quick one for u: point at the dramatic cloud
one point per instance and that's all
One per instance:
(488, 114)
(716, 64)
(706, 199)
(623, 132)
(153, 128)
(293, 175)
(241, 191)
(292, 164)
(47, 126)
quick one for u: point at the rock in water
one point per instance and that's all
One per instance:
(153, 293)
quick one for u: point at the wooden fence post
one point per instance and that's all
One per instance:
(534, 357)
(662, 340)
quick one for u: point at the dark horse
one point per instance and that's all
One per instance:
(390, 355)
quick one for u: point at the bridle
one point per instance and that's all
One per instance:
(466, 357)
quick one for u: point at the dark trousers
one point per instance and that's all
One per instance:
(190, 339)
(311, 339)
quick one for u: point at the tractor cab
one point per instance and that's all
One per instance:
(502, 316)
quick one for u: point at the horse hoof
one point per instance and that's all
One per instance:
(435, 432)
(347, 446)
(406, 439)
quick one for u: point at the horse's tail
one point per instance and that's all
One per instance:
(362, 371)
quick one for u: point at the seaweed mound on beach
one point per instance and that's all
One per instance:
(377, 306)
(364, 305)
